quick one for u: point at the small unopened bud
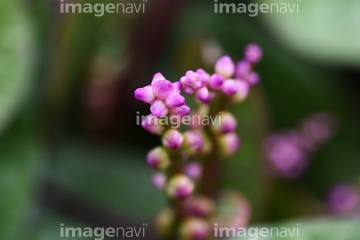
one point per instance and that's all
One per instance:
(225, 123)
(193, 170)
(180, 111)
(180, 186)
(202, 94)
(145, 94)
(243, 69)
(158, 158)
(318, 128)
(200, 206)
(229, 144)
(159, 109)
(254, 78)
(242, 93)
(230, 87)
(173, 139)
(195, 229)
(225, 67)
(193, 142)
(152, 125)
(343, 199)
(216, 81)
(159, 180)
(253, 53)
(164, 222)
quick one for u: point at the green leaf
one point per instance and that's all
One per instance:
(319, 229)
(326, 31)
(113, 178)
(20, 159)
(48, 227)
(16, 59)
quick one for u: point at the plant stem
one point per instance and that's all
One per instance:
(211, 177)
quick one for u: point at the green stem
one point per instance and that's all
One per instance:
(211, 177)
(176, 204)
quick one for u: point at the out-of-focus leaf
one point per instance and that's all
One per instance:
(80, 36)
(48, 227)
(113, 179)
(16, 58)
(20, 159)
(327, 31)
(318, 229)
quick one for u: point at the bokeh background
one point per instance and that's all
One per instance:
(70, 149)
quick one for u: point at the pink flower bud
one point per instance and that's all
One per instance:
(159, 109)
(286, 154)
(177, 87)
(225, 67)
(242, 93)
(193, 81)
(318, 128)
(173, 139)
(152, 125)
(254, 78)
(202, 94)
(180, 186)
(230, 87)
(343, 199)
(193, 170)
(159, 180)
(145, 94)
(181, 111)
(253, 53)
(157, 77)
(188, 90)
(189, 79)
(212, 95)
(243, 69)
(174, 100)
(216, 81)
(225, 123)
(200, 206)
(158, 158)
(193, 142)
(162, 88)
(229, 144)
(195, 229)
(203, 77)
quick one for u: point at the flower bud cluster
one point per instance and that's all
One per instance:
(172, 155)
(289, 151)
(179, 161)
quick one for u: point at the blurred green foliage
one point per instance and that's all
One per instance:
(16, 59)
(55, 163)
(322, 31)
